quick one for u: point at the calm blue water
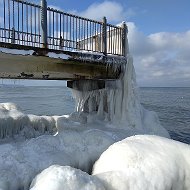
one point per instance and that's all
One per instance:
(173, 108)
(171, 104)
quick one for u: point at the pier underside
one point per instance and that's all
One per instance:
(46, 68)
(79, 69)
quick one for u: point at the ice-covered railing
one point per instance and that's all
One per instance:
(33, 25)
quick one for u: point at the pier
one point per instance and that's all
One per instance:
(40, 42)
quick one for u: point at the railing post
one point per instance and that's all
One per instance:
(44, 22)
(124, 39)
(104, 36)
(13, 36)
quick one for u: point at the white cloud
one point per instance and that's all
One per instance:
(55, 7)
(113, 10)
(160, 59)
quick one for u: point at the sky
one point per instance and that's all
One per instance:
(159, 35)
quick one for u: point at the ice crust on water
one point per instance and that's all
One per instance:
(145, 162)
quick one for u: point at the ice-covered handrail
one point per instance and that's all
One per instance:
(29, 24)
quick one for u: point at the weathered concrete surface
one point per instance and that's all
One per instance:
(46, 68)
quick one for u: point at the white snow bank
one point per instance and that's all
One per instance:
(13, 121)
(145, 162)
(31, 52)
(58, 55)
(65, 178)
(16, 51)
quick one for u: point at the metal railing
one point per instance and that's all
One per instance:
(28, 24)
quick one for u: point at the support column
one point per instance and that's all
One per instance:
(44, 22)
(13, 36)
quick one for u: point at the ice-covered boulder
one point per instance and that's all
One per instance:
(145, 162)
(65, 178)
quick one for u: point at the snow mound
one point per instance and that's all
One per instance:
(65, 178)
(145, 162)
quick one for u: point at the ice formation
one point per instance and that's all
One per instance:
(13, 122)
(119, 103)
(145, 162)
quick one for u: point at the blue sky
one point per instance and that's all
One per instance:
(149, 15)
(159, 35)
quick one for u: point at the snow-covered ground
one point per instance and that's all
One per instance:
(16, 51)
(31, 52)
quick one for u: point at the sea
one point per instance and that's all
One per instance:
(170, 103)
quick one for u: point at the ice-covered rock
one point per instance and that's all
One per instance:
(65, 178)
(145, 162)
